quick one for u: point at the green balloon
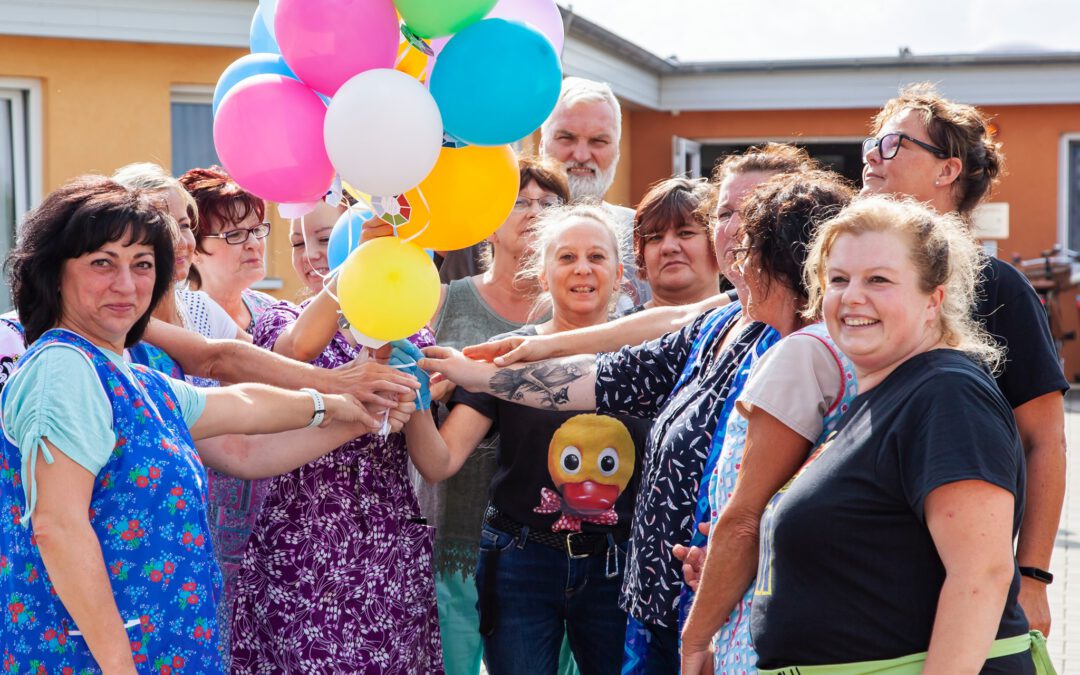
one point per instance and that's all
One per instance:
(437, 18)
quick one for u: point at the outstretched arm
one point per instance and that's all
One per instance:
(439, 453)
(556, 384)
(236, 361)
(260, 409)
(263, 456)
(605, 337)
(307, 337)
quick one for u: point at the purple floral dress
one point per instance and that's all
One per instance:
(336, 577)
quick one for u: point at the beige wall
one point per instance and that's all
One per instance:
(106, 104)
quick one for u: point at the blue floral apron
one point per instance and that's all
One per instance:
(148, 510)
(734, 650)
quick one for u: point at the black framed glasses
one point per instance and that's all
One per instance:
(241, 234)
(546, 202)
(889, 144)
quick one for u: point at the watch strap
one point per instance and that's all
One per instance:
(1037, 574)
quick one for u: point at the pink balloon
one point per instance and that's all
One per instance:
(543, 15)
(294, 211)
(269, 136)
(326, 42)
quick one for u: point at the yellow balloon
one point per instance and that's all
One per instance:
(468, 195)
(411, 61)
(388, 288)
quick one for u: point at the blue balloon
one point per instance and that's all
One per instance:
(245, 67)
(345, 235)
(496, 81)
(259, 38)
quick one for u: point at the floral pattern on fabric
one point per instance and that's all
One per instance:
(735, 654)
(148, 510)
(336, 577)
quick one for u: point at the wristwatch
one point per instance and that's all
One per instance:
(1037, 574)
(320, 407)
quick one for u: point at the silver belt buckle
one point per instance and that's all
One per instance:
(570, 547)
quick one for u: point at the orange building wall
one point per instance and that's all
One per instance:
(106, 104)
(1030, 136)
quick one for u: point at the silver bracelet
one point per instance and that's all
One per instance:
(319, 415)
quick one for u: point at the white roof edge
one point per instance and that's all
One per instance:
(593, 52)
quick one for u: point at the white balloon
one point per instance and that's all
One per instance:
(269, 11)
(383, 132)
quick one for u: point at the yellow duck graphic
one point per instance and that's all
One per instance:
(590, 460)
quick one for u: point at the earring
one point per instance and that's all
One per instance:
(937, 182)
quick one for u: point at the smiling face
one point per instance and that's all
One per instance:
(104, 292)
(679, 264)
(913, 170)
(226, 268)
(185, 244)
(309, 237)
(583, 138)
(581, 269)
(874, 305)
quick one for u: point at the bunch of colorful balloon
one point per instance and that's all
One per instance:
(412, 104)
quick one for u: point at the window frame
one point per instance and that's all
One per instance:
(1067, 139)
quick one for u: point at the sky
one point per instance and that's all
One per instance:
(735, 30)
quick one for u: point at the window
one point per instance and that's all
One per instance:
(19, 162)
(1069, 210)
(192, 130)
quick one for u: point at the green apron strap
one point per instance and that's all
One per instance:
(912, 664)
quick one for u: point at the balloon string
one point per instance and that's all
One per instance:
(427, 208)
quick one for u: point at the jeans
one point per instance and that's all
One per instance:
(532, 595)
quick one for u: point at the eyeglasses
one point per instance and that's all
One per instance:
(545, 202)
(241, 234)
(889, 144)
(740, 255)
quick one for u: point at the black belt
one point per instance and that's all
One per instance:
(574, 544)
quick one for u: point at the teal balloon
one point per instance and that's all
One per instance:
(437, 18)
(259, 38)
(496, 82)
(248, 66)
(345, 236)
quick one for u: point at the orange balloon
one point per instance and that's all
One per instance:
(467, 196)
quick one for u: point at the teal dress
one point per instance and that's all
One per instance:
(148, 510)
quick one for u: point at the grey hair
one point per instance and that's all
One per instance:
(577, 90)
(548, 226)
(152, 178)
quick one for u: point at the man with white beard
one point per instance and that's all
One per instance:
(583, 132)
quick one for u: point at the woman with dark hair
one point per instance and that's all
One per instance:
(793, 395)
(104, 490)
(942, 153)
(229, 243)
(672, 247)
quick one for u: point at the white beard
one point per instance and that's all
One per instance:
(590, 188)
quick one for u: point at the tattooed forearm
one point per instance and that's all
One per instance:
(557, 384)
